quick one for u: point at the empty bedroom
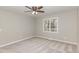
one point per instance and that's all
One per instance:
(39, 29)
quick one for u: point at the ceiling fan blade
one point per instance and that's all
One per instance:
(40, 7)
(41, 11)
(33, 8)
(28, 7)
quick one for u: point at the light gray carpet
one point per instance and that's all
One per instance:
(39, 45)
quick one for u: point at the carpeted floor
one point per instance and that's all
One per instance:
(39, 45)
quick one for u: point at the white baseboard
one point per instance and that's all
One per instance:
(73, 43)
(15, 41)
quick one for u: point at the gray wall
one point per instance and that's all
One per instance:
(67, 27)
(78, 28)
(15, 27)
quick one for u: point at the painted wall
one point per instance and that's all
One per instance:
(67, 25)
(78, 28)
(14, 27)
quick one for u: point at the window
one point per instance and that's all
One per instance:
(50, 24)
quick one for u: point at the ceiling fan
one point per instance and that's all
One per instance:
(35, 9)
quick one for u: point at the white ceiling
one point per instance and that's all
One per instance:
(48, 9)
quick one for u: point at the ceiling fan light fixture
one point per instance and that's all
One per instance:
(34, 12)
(35, 9)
